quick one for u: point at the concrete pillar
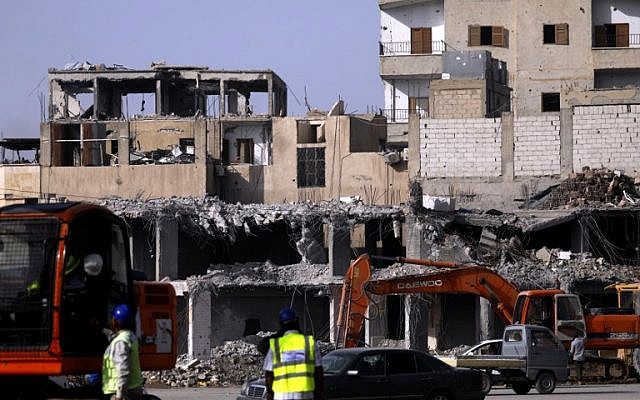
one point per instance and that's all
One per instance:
(234, 100)
(96, 98)
(46, 144)
(339, 242)
(507, 148)
(375, 325)
(270, 94)
(199, 340)
(159, 98)
(566, 141)
(200, 140)
(435, 320)
(222, 109)
(166, 247)
(415, 244)
(123, 144)
(416, 322)
(486, 320)
(414, 146)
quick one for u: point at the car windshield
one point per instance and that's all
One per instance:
(334, 363)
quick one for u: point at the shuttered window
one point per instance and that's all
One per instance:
(556, 34)
(421, 41)
(488, 36)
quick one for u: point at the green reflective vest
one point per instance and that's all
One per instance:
(109, 372)
(293, 363)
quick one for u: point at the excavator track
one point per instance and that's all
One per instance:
(602, 370)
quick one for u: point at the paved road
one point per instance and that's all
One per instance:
(588, 392)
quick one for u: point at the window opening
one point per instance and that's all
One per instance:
(550, 102)
(311, 167)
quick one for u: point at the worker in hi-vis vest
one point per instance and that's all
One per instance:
(121, 374)
(293, 364)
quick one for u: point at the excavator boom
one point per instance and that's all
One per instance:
(461, 278)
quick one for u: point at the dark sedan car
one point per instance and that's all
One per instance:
(388, 373)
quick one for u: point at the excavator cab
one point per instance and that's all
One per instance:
(560, 312)
(63, 267)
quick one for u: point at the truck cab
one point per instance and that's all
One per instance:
(543, 351)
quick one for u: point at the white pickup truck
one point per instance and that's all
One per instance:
(527, 356)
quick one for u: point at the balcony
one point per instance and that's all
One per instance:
(402, 115)
(616, 51)
(404, 48)
(397, 60)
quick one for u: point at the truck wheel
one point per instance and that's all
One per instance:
(521, 387)
(546, 383)
(486, 383)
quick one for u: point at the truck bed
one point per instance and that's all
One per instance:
(481, 362)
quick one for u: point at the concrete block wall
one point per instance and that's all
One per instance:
(606, 136)
(469, 147)
(536, 145)
(458, 103)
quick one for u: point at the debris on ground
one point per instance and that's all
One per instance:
(230, 365)
(591, 187)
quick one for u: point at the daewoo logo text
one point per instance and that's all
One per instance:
(420, 284)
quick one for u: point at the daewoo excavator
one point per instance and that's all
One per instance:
(63, 267)
(559, 311)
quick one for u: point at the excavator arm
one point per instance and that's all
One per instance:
(460, 278)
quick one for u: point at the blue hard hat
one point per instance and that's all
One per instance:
(287, 315)
(121, 313)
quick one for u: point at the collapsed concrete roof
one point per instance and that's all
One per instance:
(218, 218)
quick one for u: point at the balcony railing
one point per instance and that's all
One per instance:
(402, 115)
(404, 48)
(617, 41)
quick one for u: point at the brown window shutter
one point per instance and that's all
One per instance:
(601, 36)
(562, 34)
(413, 105)
(622, 35)
(497, 36)
(416, 41)
(426, 40)
(474, 35)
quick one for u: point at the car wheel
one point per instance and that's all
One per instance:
(546, 383)
(521, 387)
(486, 383)
(439, 396)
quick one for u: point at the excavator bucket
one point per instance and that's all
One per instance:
(353, 302)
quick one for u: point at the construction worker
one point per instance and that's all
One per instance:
(577, 354)
(293, 364)
(121, 374)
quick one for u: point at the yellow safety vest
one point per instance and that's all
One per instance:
(109, 373)
(293, 363)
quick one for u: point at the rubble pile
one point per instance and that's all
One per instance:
(592, 187)
(176, 155)
(562, 270)
(265, 274)
(219, 219)
(230, 364)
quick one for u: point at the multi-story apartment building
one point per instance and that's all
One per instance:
(552, 49)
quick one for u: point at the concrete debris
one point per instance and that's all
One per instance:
(263, 274)
(543, 255)
(230, 364)
(591, 187)
(162, 156)
(220, 219)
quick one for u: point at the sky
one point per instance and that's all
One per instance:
(329, 47)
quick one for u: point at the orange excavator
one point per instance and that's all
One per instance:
(63, 267)
(561, 312)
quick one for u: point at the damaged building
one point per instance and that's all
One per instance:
(481, 155)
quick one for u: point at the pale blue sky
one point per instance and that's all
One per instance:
(329, 46)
